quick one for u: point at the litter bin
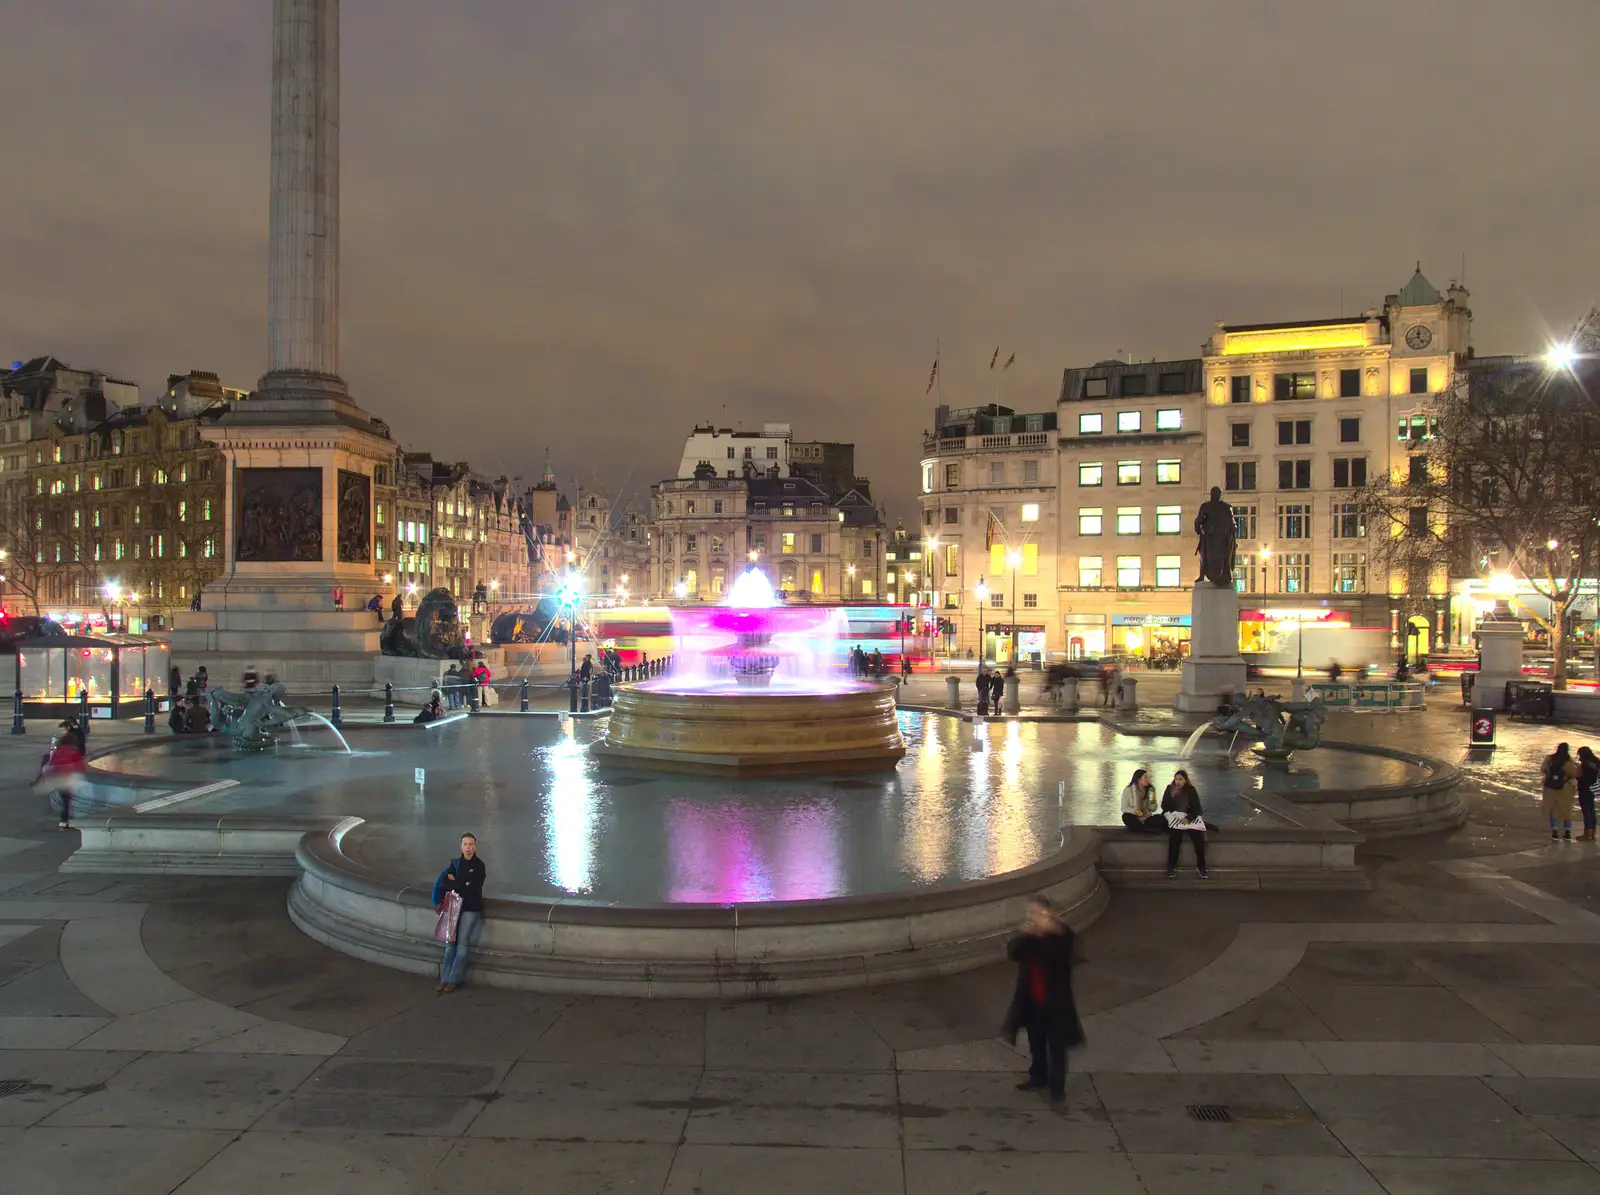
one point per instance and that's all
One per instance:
(1482, 730)
(1532, 699)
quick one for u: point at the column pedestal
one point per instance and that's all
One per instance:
(1214, 665)
(1500, 649)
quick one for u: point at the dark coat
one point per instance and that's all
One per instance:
(1054, 953)
(1170, 803)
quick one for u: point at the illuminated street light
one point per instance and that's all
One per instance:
(681, 589)
(1561, 356)
(1552, 544)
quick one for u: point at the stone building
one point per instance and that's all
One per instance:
(612, 544)
(1132, 461)
(989, 513)
(458, 530)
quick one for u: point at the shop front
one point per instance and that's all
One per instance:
(1160, 640)
(1274, 629)
(1085, 635)
(1029, 640)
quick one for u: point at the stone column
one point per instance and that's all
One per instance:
(303, 231)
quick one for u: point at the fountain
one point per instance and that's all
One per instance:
(755, 689)
(257, 719)
(1283, 726)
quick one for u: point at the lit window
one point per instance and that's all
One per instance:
(1091, 474)
(1128, 572)
(1129, 421)
(1089, 569)
(1089, 520)
(1169, 520)
(1169, 420)
(1030, 512)
(1168, 571)
(1091, 425)
(1128, 472)
(1030, 601)
(997, 559)
(1128, 520)
(1030, 560)
(1168, 472)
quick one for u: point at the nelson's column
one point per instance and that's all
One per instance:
(299, 453)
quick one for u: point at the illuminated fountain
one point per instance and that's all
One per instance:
(756, 688)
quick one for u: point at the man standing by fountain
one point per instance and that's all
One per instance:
(465, 877)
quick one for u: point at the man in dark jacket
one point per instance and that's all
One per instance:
(465, 877)
(1043, 1003)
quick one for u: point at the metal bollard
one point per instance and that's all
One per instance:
(388, 701)
(83, 710)
(572, 694)
(337, 716)
(149, 711)
(524, 699)
(16, 714)
(585, 706)
(473, 697)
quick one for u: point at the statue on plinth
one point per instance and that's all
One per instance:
(433, 633)
(1218, 541)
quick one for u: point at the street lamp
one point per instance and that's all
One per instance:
(681, 589)
(1014, 559)
(570, 594)
(981, 592)
(1561, 356)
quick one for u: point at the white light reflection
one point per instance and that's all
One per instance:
(570, 814)
(1012, 842)
(926, 839)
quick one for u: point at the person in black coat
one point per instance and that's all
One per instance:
(1042, 1003)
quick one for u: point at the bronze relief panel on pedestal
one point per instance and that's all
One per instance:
(355, 518)
(279, 515)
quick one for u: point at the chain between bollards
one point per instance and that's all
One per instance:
(149, 710)
(337, 716)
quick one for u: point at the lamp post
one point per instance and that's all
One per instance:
(981, 592)
(570, 595)
(931, 544)
(1014, 559)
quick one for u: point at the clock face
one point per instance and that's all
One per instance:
(1420, 337)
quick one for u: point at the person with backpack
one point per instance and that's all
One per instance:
(1588, 790)
(464, 878)
(1560, 785)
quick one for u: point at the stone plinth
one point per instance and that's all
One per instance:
(745, 733)
(1500, 652)
(1214, 665)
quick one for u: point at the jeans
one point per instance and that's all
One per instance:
(1586, 805)
(452, 696)
(456, 951)
(1175, 847)
(1048, 1066)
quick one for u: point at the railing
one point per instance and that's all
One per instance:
(978, 443)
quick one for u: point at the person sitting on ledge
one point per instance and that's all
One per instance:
(432, 711)
(1139, 809)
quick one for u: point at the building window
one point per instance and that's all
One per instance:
(1348, 521)
(1030, 560)
(1169, 572)
(1294, 520)
(1418, 427)
(1350, 429)
(1129, 421)
(1168, 472)
(1419, 379)
(1095, 388)
(1349, 383)
(816, 543)
(1239, 435)
(1030, 601)
(1244, 522)
(1349, 472)
(716, 545)
(1239, 475)
(1131, 385)
(997, 473)
(1244, 574)
(952, 560)
(772, 454)
(1091, 425)
(1129, 520)
(1239, 388)
(1294, 572)
(952, 516)
(1169, 520)
(788, 543)
(1170, 383)
(1290, 386)
(1417, 522)
(1294, 431)
(1417, 473)
(688, 507)
(1169, 420)
(1089, 569)
(1030, 471)
(1128, 472)
(997, 559)
(1089, 520)
(1091, 474)
(1349, 572)
(866, 586)
(952, 476)
(1030, 512)
(1129, 569)
(1294, 475)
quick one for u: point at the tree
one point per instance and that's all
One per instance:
(22, 538)
(1499, 477)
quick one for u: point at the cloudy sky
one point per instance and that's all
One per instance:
(586, 224)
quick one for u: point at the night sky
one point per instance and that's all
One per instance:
(588, 224)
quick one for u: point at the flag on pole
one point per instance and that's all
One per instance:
(934, 376)
(990, 531)
(994, 358)
(1010, 361)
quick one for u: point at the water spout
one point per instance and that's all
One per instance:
(1188, 746)
(342, 742)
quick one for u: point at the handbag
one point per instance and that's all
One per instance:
(444, 929)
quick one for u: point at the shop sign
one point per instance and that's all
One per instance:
(1000, 628)
(1150, 620)
(1308, 614)
(1083, 620)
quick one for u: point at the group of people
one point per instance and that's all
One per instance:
(864, 666)
(991, 688)
(1178, 815)
(1565, 778)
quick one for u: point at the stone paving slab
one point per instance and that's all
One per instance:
(322, 1163)
(106, 1161)
(187, 1091)
(1488, 1176)
(1238, 1174)
(1269, 1115)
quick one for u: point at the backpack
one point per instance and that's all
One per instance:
(439, 885)
(1555, 775)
